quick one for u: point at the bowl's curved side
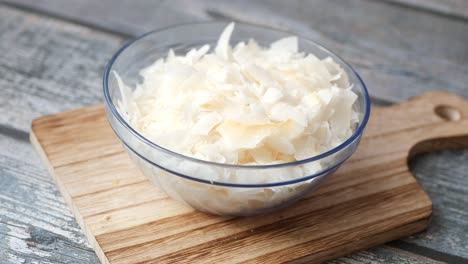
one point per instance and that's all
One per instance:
(193, 181)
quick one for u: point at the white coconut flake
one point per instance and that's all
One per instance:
(206, 123)
(243, 104)
(288, 45)
(240, 99)
(223, 49)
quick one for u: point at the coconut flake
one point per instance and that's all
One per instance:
(286, 45)
(243, 105)
(206, 123)
(223, 49)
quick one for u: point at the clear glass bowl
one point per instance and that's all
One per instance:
(247, 190)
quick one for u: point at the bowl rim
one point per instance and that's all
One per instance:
(110, 105)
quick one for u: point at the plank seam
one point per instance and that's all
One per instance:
(45, 13)
(84, 161)
(108, 189)
(125, 207)
(440, 13)
(14, 133)
(428, 252)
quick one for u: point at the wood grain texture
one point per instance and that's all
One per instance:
(457, 8)
(391, 46)
(449, 229)
(383, 254)
(348, 213)
(47, 66)
(35, 224)
(25, 94)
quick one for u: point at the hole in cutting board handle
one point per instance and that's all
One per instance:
(448, 113)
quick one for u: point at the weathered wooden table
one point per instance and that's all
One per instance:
(52, 55)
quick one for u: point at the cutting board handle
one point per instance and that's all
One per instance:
(441, 118)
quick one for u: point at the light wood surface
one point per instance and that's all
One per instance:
(372, 199)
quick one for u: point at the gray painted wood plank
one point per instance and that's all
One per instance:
(386, 75)
(384, 254)
(444, 176)
(35, 223)
(457, 8)
(48, 85)
(126, 17)
(400, 52)
(47, 66)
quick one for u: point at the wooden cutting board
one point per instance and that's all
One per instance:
(372, 199)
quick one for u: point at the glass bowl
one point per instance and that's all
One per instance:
(247, 189)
